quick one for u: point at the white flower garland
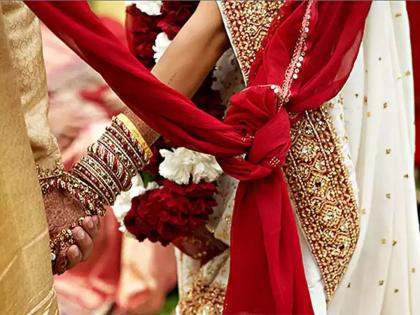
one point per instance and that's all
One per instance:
(150, 7)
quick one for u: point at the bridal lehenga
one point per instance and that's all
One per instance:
(349, 172)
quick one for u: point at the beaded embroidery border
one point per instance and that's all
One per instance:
(323, 195)
(203, 299)
(248, 23)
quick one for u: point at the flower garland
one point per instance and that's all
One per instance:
(181, 183)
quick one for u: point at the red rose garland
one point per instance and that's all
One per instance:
(141, 30)
(172, 210)
(174, 16)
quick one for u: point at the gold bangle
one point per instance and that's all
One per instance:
(134, 131)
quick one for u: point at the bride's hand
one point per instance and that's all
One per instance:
(62, 210)
(84, 237)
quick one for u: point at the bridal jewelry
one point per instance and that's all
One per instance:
(99, 177)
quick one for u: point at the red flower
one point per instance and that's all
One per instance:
(209, 101)
(137, 21)
(141, 34)
(174, 15)
(164, 214)
(144, 53)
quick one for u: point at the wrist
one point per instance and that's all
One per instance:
(97, 179)
(111, 162)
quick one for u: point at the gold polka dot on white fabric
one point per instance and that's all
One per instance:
(388, 151)
(388, 195)
(397, 15)
(381, 282)
(385, 105)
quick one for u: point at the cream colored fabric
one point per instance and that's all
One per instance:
(383, 275)
(25, 267)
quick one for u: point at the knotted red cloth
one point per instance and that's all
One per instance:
(266, 275)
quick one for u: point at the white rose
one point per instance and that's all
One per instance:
(161, 43)
(150, 7)
(181, 164)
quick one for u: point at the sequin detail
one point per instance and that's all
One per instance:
(323, 196)
(203, 299)
(248, 23)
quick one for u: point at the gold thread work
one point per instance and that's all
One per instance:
(203, 299)
(248, 22)
(322, 192)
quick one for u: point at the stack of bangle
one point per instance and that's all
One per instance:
(106, 170)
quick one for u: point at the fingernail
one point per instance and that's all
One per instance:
(90, 224)
(74, 253)
(80, 234)
(78, 254)
(95, 220)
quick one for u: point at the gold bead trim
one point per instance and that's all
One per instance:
(203, 299)
(46, 177)
(248, 23)
(323, 195)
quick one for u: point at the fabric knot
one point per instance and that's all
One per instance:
(255, 115)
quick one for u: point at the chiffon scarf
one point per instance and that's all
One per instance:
(266, 275)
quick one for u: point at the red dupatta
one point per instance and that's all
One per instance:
(308, 54)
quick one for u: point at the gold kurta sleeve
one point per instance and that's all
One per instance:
(25, 267)
(24, 36)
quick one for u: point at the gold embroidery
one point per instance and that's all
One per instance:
(315, 170)
(203, 299)
(46, 177)
(323, 195)
(248, 23)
